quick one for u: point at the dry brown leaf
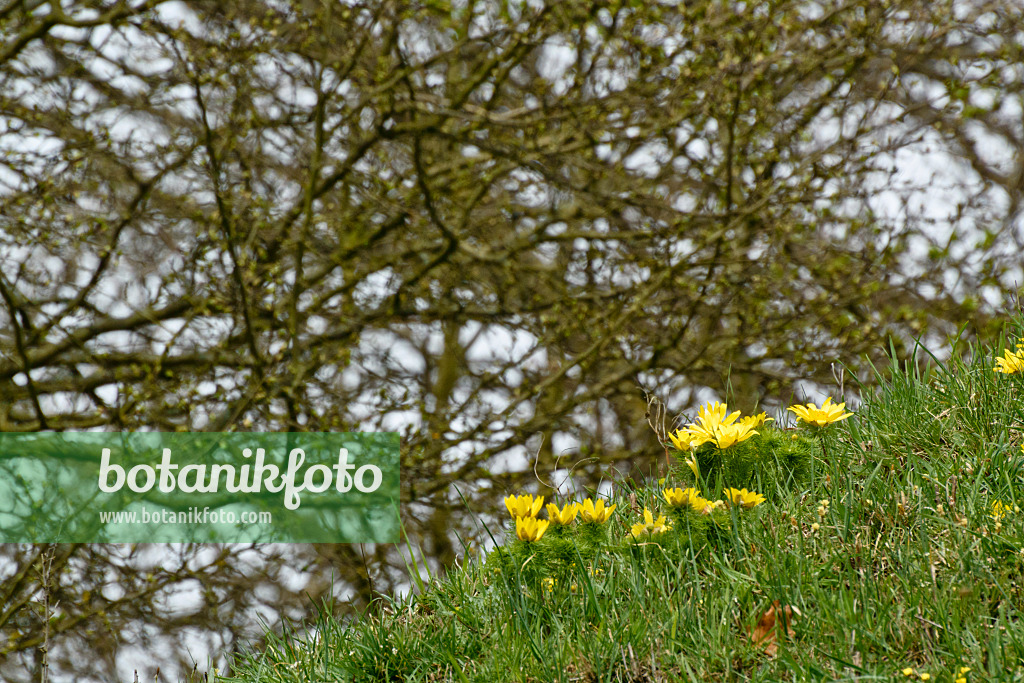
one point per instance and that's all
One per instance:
(763, 634)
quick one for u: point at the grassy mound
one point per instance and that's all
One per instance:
(887, 546)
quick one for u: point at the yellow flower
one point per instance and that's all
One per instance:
(565, 515)
(531, 528)
(826, 414)
(708, 417)
(682, 440)
(999, 510)
(1010, 362)
(524, 506)
(724, 437)
(701, 505)
(908, 671)
(744, 498)
(548, 583)
(925, 677)
(691, 462)
(678, 496)
(716, 425)
(660, 528)
(596, 513)
(756, 421)
(650, 525)
(717, 412)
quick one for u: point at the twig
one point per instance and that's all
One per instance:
(655, 415)
(45, 575)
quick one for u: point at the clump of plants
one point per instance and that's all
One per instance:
(742, 460)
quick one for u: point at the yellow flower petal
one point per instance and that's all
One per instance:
(825, 415)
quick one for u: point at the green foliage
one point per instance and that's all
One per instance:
(784, 458)
(771, 460)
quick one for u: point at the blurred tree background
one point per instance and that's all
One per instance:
(493, 226)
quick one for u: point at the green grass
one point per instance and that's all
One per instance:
(907, 568)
